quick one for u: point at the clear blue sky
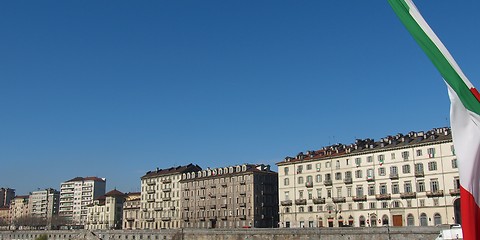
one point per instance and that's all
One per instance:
(116, 88)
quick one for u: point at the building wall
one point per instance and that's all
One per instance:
(44, 203)
(131, 212)
(19, 208)
(364, 189)
(6, 196)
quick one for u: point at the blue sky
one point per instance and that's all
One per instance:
(116, 88)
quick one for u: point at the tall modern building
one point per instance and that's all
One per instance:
(230, 197)
(160, 197)
(401, 180)
(6, 196)
(76, 194)
(44, 203)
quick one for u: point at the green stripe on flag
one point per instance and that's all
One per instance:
(448, 73)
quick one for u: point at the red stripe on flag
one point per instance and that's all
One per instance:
(470, 215)
(475, 93)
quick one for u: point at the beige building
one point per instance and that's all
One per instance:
(44, 203)
(19, 208)
(231, 197)
(4, 217)
(131, 211)
(106, 211)
(6, 196)
(76, 194)
(402, 180)
(160, 197)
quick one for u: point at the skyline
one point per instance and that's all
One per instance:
(128, 88)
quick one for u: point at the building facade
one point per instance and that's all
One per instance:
(6, 196)
(19, 208)
(76, 194)
(160, 197)
(4, 218)
(402, 180)
(106, 211)
(231, 197)
(44, 203)
(131, 211)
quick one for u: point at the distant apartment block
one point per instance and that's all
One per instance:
(5, 219)
(19, 208)
(106, 212)
(401, 180)
(6, 196)
(44, 203)
(160, 197)
(131, 211)
(76, 194)
(230, 197)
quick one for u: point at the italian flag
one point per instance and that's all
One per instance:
(464, 113)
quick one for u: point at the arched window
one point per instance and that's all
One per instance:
(373, 220)
(287, 210)
(437, 219)
(384, 220)
(423, 219)
(361, 221)
(286, 181)
(350, 220)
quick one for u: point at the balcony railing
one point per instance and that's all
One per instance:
(300, 201)
(158, 208)
(408, 195)
(359, 198)
(242, 217)
(166, 189)
(167, 180)
(386, 196)
(438, 193)
(348, 180)
(201, 219)
(286, 203)
(166, 199)
(224, 217)
(309, 184)
(419, 173)
(370, 178)
(242, 204)
(223, 205)
(455, 192)
(151, 200)
(242, 182)
(213, 206)
(327, 182)
(149, 219)
(339, 199)
(166, 218)
(186, 208)
(172, 207)
(151, 183)
(150, 191)
(201, 207)
(319, 201)
(393, 175)
(186, 219)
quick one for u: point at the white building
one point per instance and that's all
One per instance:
(44, 203)
(106, 211)
(402, 180)
(76, 194)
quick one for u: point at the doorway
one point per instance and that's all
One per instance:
(397, 220)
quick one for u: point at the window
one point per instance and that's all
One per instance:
(432, 166)
(339, 191)
(434, 187)
(395, 188)
(381, 158)
(406, 168)
(360, 206)
(384, 204)
(452, 148)
(369, 159)
(286, 181)
(383, 188)
(435, 202)
(359, 191)
(301, 209)
(419, 152)
(396, 204)
(381, 171)
(329, 193)
(431, 152)
(419, 167)
(373, 205)
(310, 194)
(348, 175)
(287, 195)
(309, 166)
(319, 192)
(285, 170)
(437, 219)
(328, 177)
(371, 190)
(405, 155)
(327, 164)
(393, 170)
(421, 186)
(318, 178)
(318, 166)
(392, 156)
(358, 174)
(358, 162)
(309, 179)
(409, 203)
(337, 164)
(407, 186)
(310, 209)
(300, 194)
(349, 191)
(423, 220)
(299, 169)
(338, 176)
(370, 174)
(422, 202)
(454, 163)
(410, 220)
(300, 180)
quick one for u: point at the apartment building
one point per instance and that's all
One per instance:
(6, 196)
(44, 203)
(402, 180)
(76, 194)
(131, 211)
(230, 197)
(19, 208)
(106, 211)
(160, 197)
(4, 218)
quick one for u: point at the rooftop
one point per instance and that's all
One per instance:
(179, 169)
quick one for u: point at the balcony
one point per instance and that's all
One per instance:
(419, 173)
(151, 200)
(166, 219)
(150, 191)
(348, 180)
(158, 208)
(309, 184)
(223, 205)
(186, 198)
(242, 217)
(286, 203)
(151, 183)
(242, 182)
(339, 199)
(130, 219)
(186, 219)
(167, 180)
(361, 198)
(212, 195)
(213, 186)
(386, 196)
(172, 207)
(393, 175)
(166, 198)
(319, 201)
(455, 192)
(243, 193)
(300, 201)
(201, 207)
(201, 219)
(224, 195)
(405, 195)
(370, 178)
(149, 219)
(166, 189)
(213, 206)
(242, 204)
(224, 184)
(224, 217)
(186, 208)
(328, 182)
(438, 193)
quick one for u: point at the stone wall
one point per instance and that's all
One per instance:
(379, 233)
